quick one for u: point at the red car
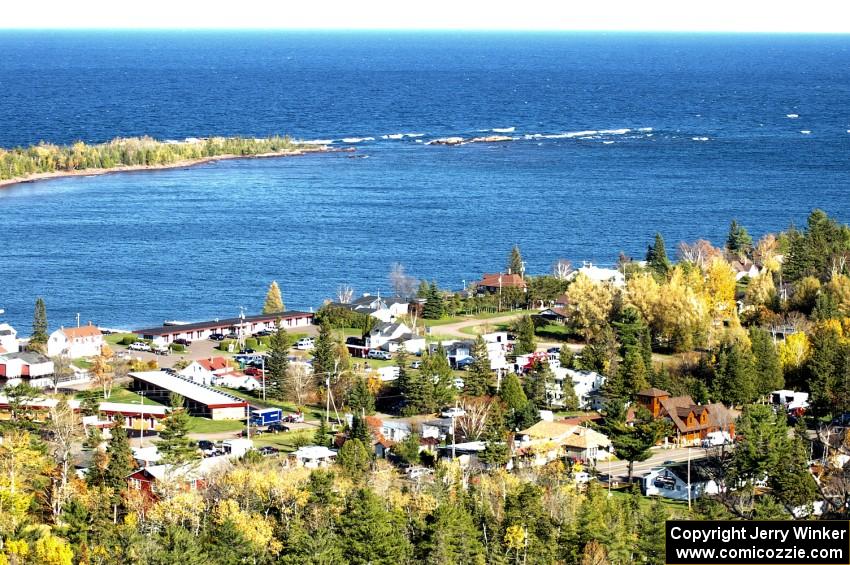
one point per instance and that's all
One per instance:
(253, 372)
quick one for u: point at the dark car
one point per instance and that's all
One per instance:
(276, 428)
(182, 341)
(263, 333)
(246, 351)
(216, 337)
(553, 350)
(268, 451)
(231, 335)
(206, 445)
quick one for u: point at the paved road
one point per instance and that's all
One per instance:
(620, 469)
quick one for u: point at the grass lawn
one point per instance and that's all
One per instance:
(485, 328)
(284, 441)
(481, 316)
(113, 339)
(553, 331)
(351, 332)
(81, 363)
(310, 412)
(207, 426)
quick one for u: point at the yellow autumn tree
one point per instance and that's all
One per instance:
(839, 288)
(794, 351)
(680, 314)
(761, 290)
(52, 550)
(720, 290)
(642, 292)
(591, 303)
(256, 529)
(102, 374)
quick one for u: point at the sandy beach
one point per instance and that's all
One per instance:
(176, 165)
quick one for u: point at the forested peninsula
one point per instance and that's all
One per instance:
(46, 160)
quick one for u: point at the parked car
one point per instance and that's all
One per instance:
(458, 383)
(252, 371)
(453, 412)
(246, 351)
(581, 477)
(231, 335)
(161, 350)
(305, 343)
(277, 427)
(296, 418)
(216, 337)
(418, 472)
(263, 333)
(181, 341)
(553, 350)
(139, 346)
(416, 365)
(380, 354)
(207, 447)
(268, 451)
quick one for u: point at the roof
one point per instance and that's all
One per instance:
(130, 408)
(81, 332)
(28, 357)
(677, 409)
(186, 388)
(223, 323)
(653, 392)
(190, 471)
(213, 363)
(314, 452)
(496, 280)
(548, 430)
(586, 437)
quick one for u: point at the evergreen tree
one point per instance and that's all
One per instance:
(119, 458)
(373, 535)
(174, 444)
(633, 443)
(438, 380)
(515, 263)
(566, 357)
(408, 449)
(652, 540)
(277, 365)
(402, 381)
(768, 370)
(177, 545)
(321, 435)
(39, 326)
(526, 341)
(634, 373)
(324, 354)
(536, 382)
(738, 242)
(423, 290)
(656, 257)
(361, 401)
(354, 458)
(568, 396)
(512, 394)
(434, 308)
(274, 301)
(451, 537)
(734, 380)
(477, 381)
(359, 430)
(524, 508)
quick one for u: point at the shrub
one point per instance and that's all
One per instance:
(224, 345)
(178, 347)
(251, 343)
(265, 340)
(128, 339)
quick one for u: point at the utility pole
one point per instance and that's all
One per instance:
(263, 369)
(141, 419)
(689, 478)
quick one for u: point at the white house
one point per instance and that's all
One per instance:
(601, 275)
(384, 309)
(203, 371)
(584, 383)
(672, 482)
(790, 399)
(395, 431)
(85, 341)
(25, 364)
(393, 336)
(497, 350)
(8, 339)
(313, 456)
(237, 381)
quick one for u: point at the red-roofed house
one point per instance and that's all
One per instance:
(203, 371)
(493, 282)
(85, 341)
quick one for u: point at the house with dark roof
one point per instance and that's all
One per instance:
(692, 422)
(384, 309)
(247, 325)
(672, 481)
(25, 364)
(392, 336)
(8, 339)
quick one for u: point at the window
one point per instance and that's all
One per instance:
(135, 484)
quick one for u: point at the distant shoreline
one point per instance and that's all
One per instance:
(186, 163)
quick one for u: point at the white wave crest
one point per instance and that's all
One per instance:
(700, 138)
(644, 129)
(357, 139)
(805, 131)
(614, 131)
(792, 116)
(607, 142)
(504, 130)
(317, 141)
(401, 135)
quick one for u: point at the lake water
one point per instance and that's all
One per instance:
(709, 139)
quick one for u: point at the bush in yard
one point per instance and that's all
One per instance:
(128, 339)
(178, 347)
(265, 340)
(225, 344)
(251, 343)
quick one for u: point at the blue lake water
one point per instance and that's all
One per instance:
(708, 139)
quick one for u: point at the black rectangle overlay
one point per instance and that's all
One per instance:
(758, 542)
